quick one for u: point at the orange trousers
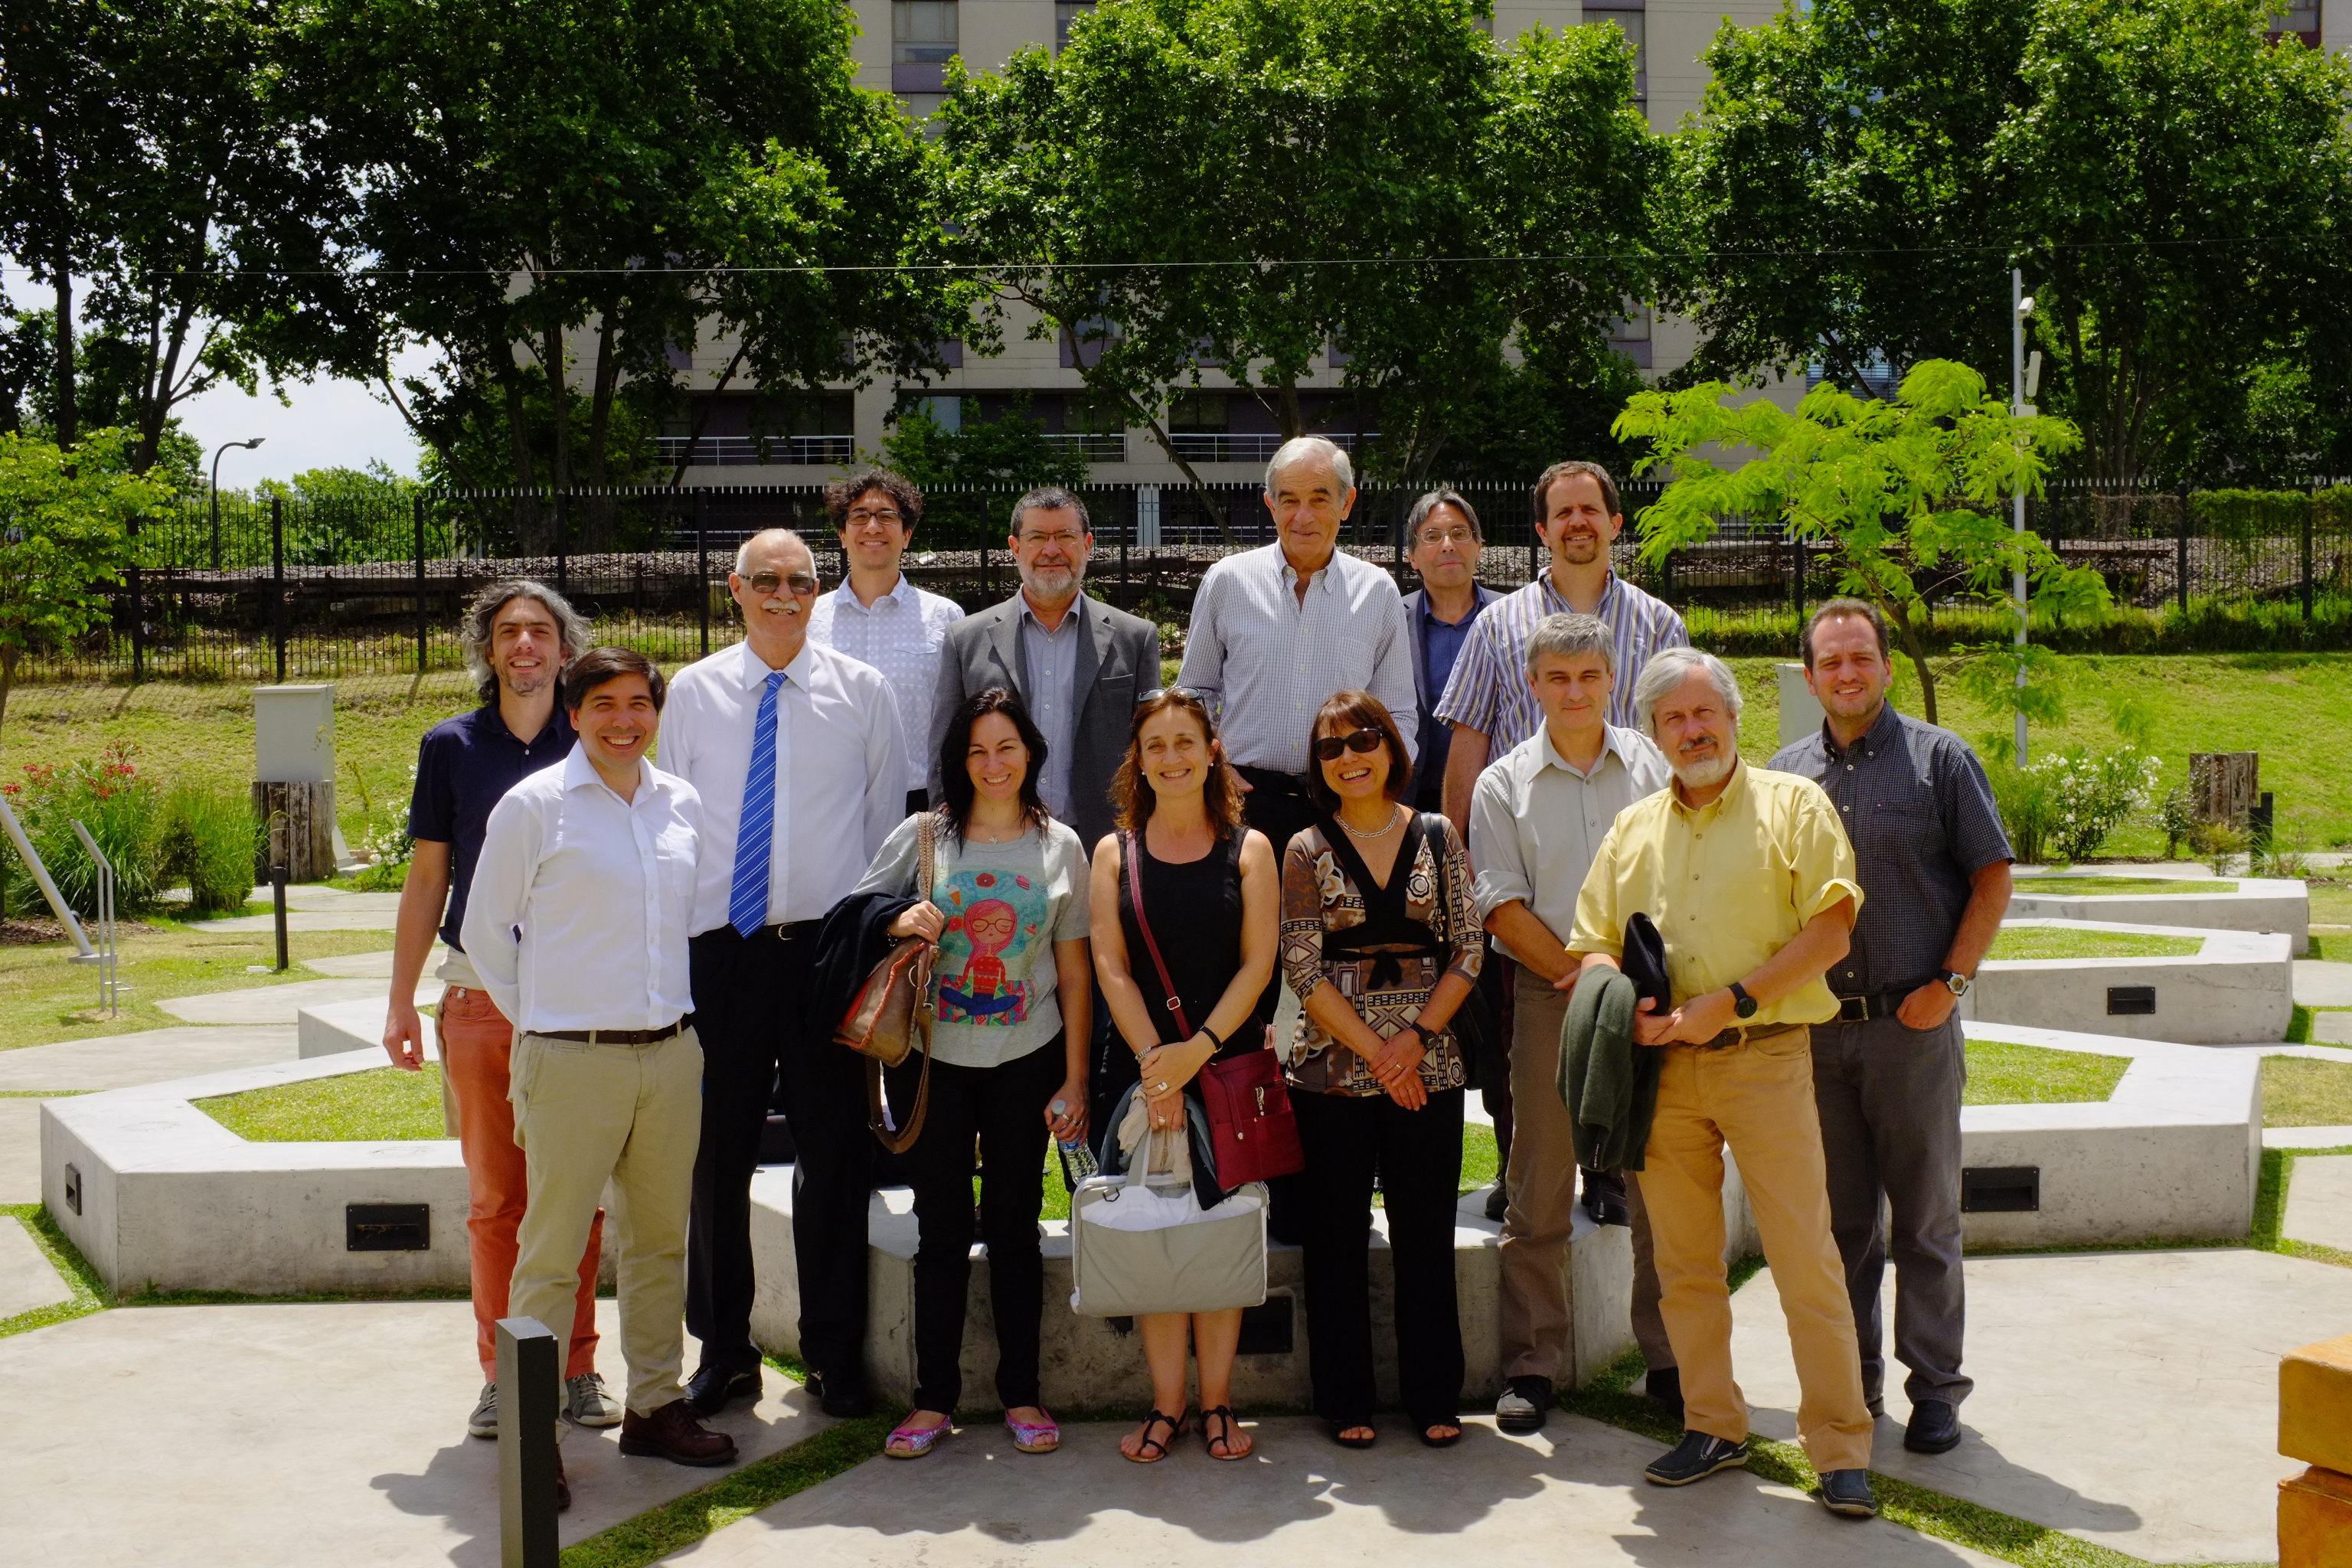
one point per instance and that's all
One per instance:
(475, 1038)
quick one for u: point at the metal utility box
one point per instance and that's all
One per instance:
(294, 734)
(1800, 710)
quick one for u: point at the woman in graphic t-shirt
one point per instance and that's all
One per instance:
(1008, 908)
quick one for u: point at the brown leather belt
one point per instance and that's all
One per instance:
(1747, 1034)
(613, 1036)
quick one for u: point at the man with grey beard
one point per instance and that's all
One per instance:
(1750, 881)
(1079, 663)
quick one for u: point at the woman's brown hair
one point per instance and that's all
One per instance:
(1133, 795)
(1344, 714)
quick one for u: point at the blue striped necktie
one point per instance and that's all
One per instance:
(755, 832)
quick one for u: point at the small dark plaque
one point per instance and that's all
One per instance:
(73, 1188)
(2000, 1189)
(1266, 1327)
(2130, 1000)
(388, 1227)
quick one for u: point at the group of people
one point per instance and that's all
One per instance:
(1406, 841)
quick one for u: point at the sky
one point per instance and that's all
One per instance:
(323, 423)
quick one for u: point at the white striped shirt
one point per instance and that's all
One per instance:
(1264, 663)
(901, 634)
(1489, 690)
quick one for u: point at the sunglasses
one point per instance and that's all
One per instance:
(765, 584)
(1363, 742)
(1157, 692)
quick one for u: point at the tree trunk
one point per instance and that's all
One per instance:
(8, 655)
(559, 398)
(2224, 786)
(68, 429)
(1915, 648)
(596, 532)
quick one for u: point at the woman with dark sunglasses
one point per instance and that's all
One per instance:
(1380, 941)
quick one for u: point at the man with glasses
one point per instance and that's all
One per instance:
(1081, 667)
(876, 616)
(797, 753)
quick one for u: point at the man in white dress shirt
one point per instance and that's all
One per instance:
(801, 762)
(876, 616)
(576, 926)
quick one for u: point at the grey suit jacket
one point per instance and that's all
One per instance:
(1118, 661)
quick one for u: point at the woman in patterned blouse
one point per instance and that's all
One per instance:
(1380, 941)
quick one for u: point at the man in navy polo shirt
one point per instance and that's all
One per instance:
(518, 636)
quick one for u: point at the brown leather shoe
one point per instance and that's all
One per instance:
(562, 1486)
(672, 1433)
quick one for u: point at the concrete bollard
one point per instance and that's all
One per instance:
(528, 1369)
(2315, 1517)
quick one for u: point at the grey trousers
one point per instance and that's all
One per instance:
(1535, 1321)
(1890, 1104)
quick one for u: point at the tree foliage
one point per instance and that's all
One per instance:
(1907, 494)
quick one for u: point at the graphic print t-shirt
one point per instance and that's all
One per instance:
(1006, 906)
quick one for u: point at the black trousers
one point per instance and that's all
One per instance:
(1003, 1110)
(749, 993)
(1417, 1157)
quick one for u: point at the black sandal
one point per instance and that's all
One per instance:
(1429, 1442)
(1233, 1425)
(1339, 1426)
(1151, 1450)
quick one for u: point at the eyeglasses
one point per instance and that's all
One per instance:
(1328, 747)
(859, 518)
(1460, 537)
(765, 584)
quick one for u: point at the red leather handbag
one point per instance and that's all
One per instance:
(1253, 1133)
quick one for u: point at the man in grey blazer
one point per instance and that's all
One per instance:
(1078, 663)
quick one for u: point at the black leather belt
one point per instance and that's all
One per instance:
(1863, 1009)
(793, 930)
(613, 1037)
(1746, 1034)
(1275, 783)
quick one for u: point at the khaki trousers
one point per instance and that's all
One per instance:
(633, 1115)
(1759, 1097)
(1541, 1181)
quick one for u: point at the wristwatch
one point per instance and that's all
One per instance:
(1742, 1004)
(1954, 982)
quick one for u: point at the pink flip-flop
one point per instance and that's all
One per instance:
(917, 1440)
(1043, 1437)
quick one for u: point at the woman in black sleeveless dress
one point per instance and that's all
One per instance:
(1210, 894)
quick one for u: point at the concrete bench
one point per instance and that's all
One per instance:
(2257, 904)
(2237, 988)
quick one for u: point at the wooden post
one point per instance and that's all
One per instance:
(297, 829)
(527, 1456)
(2223, 787)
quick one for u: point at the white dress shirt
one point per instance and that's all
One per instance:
(841, 773)
(1536, 822)
(1264, 663)
(577, 916)
(899, 634)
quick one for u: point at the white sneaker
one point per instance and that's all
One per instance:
(484, 1421)
(588, 1403)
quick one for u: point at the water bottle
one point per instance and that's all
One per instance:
(1077, 1159)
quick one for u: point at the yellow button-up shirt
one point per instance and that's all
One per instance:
(1728, 884)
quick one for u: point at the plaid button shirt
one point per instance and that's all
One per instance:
(1489, 690)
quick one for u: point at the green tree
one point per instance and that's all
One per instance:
(65, 520)
(1909, 495)
(969, 474)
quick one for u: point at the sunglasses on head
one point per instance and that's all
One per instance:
(766, 582)
(1157, 692)
(1328, 747)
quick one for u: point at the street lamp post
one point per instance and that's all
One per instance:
(224, 446)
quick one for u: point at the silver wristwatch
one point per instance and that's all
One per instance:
(1954, 982)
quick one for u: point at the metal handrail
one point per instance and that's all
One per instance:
(110, 961)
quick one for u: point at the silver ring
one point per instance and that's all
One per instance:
(1162, 1089)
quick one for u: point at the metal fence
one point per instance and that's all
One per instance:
(282, 589)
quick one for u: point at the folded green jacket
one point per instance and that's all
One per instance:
(1609, 1084)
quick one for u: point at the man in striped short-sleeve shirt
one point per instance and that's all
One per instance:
(1488, 702)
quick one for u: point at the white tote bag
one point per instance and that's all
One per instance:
(1137, 1250)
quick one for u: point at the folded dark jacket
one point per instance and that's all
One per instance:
(1609, 1084)
(856, 937)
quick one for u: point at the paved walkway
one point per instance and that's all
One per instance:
(151, 1056)
(294, 1435)
(316, 908)
(2320, 1202)
(27, 1277)
(2320, 983)
(2081, 1362)
(278, 1004)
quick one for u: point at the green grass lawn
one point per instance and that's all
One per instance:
(45, 998)
(2002, 1074)
(2302, 1091)
(2064, 942)
(2103, 887)
(374, 1107)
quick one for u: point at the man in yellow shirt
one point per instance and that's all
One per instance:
(1750, 881)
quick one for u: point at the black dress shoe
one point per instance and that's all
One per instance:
(1935, 1427)
(1524, 1402)
(1604, 1197)
(1664, 1388)
(1847, 1493)
(839, 1398)
(717, 1386)
(1499, 1203)
(1697, 1458)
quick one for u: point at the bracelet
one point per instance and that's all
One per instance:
(1216, 1043)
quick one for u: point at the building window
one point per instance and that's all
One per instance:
(1628, 16)
(2302, 19)
(1065, 13)
(1630, 335)
(924, 37)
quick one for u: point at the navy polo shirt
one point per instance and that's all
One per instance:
(464, 767)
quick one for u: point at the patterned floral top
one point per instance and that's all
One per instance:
(1320, 898)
